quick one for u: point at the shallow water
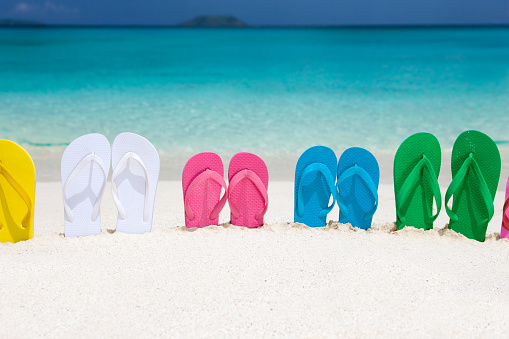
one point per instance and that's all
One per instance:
(270, 91)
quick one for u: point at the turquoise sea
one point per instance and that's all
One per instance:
(274, 92)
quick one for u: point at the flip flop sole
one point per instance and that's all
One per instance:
(82, 193)
(245, 196)
(13, 208)
(315, 190)
(354, 192)
(131, 182)
(205, 197)
(468, 203)
(420, 204)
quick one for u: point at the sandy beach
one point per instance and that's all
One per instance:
(333, 73)
(282, 279)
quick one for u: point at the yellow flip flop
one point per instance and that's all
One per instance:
(17, 193)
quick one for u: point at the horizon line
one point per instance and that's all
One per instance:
(43, 25)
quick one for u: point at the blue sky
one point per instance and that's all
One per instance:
(260, 12)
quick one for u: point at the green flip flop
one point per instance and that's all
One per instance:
(416, 170)
(475, 167)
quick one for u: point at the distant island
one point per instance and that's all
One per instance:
(214, 21)
(20, 23)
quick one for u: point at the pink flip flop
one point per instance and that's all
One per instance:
(504, 232)
(202, 180)
(247, 192)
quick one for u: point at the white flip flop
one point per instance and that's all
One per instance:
(135, 164)
(84, 170)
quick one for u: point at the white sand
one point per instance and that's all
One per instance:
(282, 279)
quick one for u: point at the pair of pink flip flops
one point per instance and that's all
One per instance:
(202, 181)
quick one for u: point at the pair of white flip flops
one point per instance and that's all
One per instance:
(85, 168)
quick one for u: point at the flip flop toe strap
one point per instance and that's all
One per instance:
(255, 179)
(411, 181)
(324, 170)
(11, 179)
(202, 177)
(122, 164)
(92, 157)
(459, 178)
(356, 170)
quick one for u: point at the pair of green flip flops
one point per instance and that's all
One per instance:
(475, 167)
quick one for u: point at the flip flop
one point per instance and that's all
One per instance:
(315, 177)
(247, 191)
(84, 170)
(202, 181)
(504, 231)
(475, 166)
(135, 164)
(17, 193)
(358, 177)
(416, 170)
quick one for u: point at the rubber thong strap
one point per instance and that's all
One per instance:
(458, 180)
(11, 179)
(411, 181)
(316, 167)
(92, 157)
(122, 164)
(361, 172)
(202, 177)
(505, 218)
(255, 179)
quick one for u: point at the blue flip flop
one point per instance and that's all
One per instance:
(315, 176)
(358, 177)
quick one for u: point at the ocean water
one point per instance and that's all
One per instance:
(274, 92)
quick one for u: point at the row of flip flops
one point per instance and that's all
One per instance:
(87, 161)
(135, 171)
(475, 168)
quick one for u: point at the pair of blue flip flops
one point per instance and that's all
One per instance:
(356, 189)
